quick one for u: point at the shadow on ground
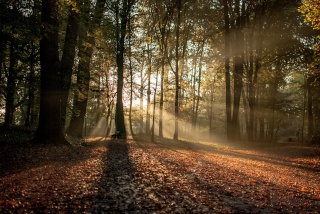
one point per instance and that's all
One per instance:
(116, 187)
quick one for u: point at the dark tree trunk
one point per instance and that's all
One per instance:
(154, 107)
(49, 130)
(67, 61)
(194, 92)
(246, 109)
(238, 73)
(309, 108)
(31, 88)
(83, 76)
(176, 103)
(161, 93)
(227, 68)
(110, 105)
(141, 98)
(199, 85)
(251, 94)
(75, 128)
(131, 78)
(211, 107)
(148, 92)
(119, 117)
(11, 83)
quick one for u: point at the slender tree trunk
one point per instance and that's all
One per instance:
(261, 115)
(161, 92)
(31, 87)
(148, 92)
(304, 109)
(176, 103)
(309, 108)
(131, 78)
(194, 93)
(251, 96)
(67, 61)
(227, 68)
(141, 98)
(11, 83)
(246, 110)
(211, 107)
(163, 52)
(199, 85)
(154, 107)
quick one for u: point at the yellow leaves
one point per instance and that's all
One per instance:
(148, 40)
(311, 10)
(71, 3)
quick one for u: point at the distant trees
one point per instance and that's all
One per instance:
(171, 67)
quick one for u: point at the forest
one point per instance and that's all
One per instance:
(165, 106)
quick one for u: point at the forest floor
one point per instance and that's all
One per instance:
(163, 177)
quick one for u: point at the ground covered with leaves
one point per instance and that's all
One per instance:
(161, 177)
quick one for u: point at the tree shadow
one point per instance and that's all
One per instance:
(228, 193)
(116, 187)
(18, 158)
(269, 156)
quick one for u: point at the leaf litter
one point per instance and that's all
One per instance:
(143, 177)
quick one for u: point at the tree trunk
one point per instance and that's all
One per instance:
(154, 107)
(141, 98)
(246, 109)
(49, 129)
(304, 109)
(148, 92)
(161, 93)
(238, 73)
(194, 93)
(199, 85)
(227, 68)
(67, 61)
(31, 87)
(176, 103)
(11, 83)
(83, 76)
(309, 108)
(211, 107)
(131, 78)
(119, 117)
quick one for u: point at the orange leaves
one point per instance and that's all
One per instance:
(154, 177)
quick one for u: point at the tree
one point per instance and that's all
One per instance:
(120, 38)
(83, 75)
(49, 129)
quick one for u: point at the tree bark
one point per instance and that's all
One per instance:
(176, 103)
(31, 88)
(67, 61)
(49, 129)
(141, 98)
(154, 107)
(199, 85)
(238, 73)
(11, 83)
(131, 78)
(148, 92)
(119, 117)
(227, 68)
(309, 108)
(83, 76)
